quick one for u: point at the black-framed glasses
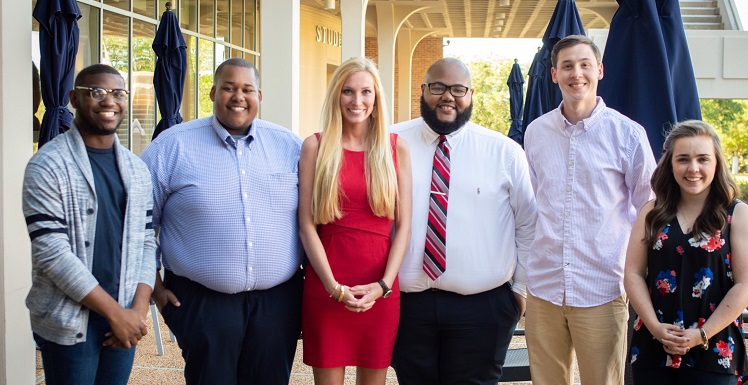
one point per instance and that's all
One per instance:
(439, 88)
(99, 94)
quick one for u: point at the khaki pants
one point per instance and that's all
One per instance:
(597, 334)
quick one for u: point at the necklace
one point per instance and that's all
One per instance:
(684, 222)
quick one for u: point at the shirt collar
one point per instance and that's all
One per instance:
(430, 136)
(227, 138)
(586, 123)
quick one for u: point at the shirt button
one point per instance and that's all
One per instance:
(573, 138)
(250, 244)
(251, 268)
(247, 219)
(79, 335)
(90, 211)
(243, 172)
(245, 197)
(568, 188)
(87, 243)
(567, 215)
(566, 240)
(571, 164)
(240, 152)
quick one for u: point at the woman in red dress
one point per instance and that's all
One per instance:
(354, 217)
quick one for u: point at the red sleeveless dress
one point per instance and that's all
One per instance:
(357, 246)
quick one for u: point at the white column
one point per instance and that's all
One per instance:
(389, 19)
(407, 40)
(17, 357)
(353, 24)
(386, 33)
(279, 62)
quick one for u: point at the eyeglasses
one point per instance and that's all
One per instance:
(99, 94)
(438, 88)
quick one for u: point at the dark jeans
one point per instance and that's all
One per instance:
(681, 376)
(244, 338)
(86, 363)
(451, 339)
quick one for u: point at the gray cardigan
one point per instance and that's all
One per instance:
(60, 206)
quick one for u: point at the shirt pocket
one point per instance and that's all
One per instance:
(284, 191)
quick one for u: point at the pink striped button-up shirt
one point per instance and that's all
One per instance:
(590, 180)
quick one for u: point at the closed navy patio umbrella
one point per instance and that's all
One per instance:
(533, 107)
(58, 45)
(171, 69)
(565, 21)
(648, 72)
(516, 85)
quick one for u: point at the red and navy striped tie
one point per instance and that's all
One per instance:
(435, 259)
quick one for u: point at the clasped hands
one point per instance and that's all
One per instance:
(675, 339)
(128, 328)
(361, 298)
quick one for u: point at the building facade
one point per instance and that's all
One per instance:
(296, 44)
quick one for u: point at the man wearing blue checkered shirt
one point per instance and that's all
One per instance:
(225, 200)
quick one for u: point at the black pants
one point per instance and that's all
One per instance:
(244, 338)
(451, 339)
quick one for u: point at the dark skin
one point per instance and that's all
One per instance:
(450, 72)
(236, 97)
(97, 123)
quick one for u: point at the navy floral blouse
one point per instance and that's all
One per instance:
(687, 279)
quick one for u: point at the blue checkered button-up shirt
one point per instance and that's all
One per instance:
(225, 207)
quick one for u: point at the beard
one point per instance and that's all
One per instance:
(91, 127)
(444, 128)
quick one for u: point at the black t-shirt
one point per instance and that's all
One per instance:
(112, 202)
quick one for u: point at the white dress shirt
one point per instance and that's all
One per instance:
(590, 179)
(491, 215)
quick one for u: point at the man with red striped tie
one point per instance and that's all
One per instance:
(462, 281)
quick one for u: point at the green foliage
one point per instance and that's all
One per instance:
(491, 97)
(743, 184)
(730, 120)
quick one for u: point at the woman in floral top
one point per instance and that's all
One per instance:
(687, 267)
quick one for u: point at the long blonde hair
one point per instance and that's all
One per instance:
(381, 179)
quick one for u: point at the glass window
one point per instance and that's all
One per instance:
(88, 43)
(207, 23)
(117, 54)
(36, 82)
(252, 59)
(222, 20)
(143, 96)
(88, 50)
(237, 54)
(121, 4)
(147, 7)
(205, 78)
(188, 15)
(189, 110)
(250, 7)
(237, 21)
(222, 53)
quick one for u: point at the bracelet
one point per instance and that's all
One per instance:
(342, 293)
(704, 339)
(337, 286)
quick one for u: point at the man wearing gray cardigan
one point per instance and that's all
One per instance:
(87, 202)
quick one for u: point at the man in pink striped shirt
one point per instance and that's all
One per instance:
(590, 168)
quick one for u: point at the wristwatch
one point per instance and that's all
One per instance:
(385, 289)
